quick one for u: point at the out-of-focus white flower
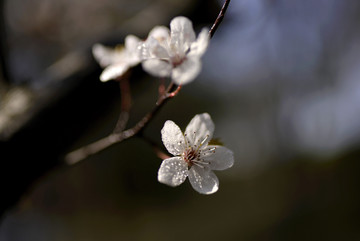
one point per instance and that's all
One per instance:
(174, 53)
(117, 61)
(194, 157)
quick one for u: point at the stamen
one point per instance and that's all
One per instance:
(200, 162)
(199, 165)
(186, 140)
(207, 151)
(212, 149)
(204, 140)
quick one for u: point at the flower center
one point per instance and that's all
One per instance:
(193, 154)
(177, 60)
(190, 155)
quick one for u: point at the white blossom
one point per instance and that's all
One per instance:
(177, 53)
(193, 156)
(117, 61)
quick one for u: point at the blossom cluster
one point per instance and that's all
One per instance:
(173, 53)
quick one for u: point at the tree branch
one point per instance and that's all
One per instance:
(100, 145)
(219, 18)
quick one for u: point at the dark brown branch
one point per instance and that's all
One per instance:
(219, 18)
(162, 87)
(102, 144)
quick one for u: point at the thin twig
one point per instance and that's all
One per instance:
(157, 150)
(161, 88)
(100, 145)
(219, 18)
(126, 103)
(95, 147)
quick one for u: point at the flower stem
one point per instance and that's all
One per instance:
(126, 103)
(157, 150)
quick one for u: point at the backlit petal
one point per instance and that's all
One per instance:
(106, 56)
(132, 42)
(114, 71)
(200, 128)
(157, 67)
(173, 171)
(173, 138)
(152, 48)
(203, 180)
(187, 71)
(221, 159)
(160, 33)
(199, 47)
(182, 33)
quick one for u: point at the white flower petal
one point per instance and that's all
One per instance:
(117, 60)
(198, 48)
(157, 67)
(106, 56)
(201, 127)
(203, 180)
(187, 71)
(221, 159)
(156, 43)
(114, 71)
(173, 138)
(151, 48)
(156, 49)
(132, 50)
(173, 171)
(132, 42)
(182, 33)
(160, 33)
(144, 50)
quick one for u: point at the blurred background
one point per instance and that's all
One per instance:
(280, 80)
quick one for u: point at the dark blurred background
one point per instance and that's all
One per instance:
(280, 80)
